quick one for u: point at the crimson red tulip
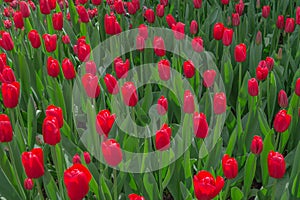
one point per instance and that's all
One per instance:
(225, 2)
(218, 31)
(276, 165)
(200, 125)
(130, 97)
(7, 23)
(257, 145)
(163, 138)
(164, 2)
(188, 69)
(258, 38)
(84, 51)
(298, 15)
(135, 197)
(33, 163)
(164, 69)
(56, 112)
(6, 41)
(170, 20)
(240, 52)
(45, 7)
(111, 84)
(104, 122)
(119, 7)
(111, 152)
(266, 11)
(227, 36)
(160, 10)
(239, 7)
(3, 61)
(162, 105)
(7, 75)
(53, 68)
(90, 67)
(140, 43)
(87, 157)
(219, 103)
(111, 24)
(66, 39)
(229, 166)
(57, 21)
(209, 78)
(76, 159)
(50, 42)
(143, 31)
(83, 1)
(235, 18)
(136, 4)
(68, 69)
(280, 22)
(32, 5)
(188, 102)
(253, 87)
(197, 4)
(282, 121)
(28, 184)
(289, 25)
(91, 85)
(96, 2)
(261, 72)
(149, 15)
(131, 8)
(83, 14)
(269, 63)
(34, 38)
(6, 131)
(51, 132)
(194, 27)
(159, 46)
(121, 67)
(282, 99)
(297, 87)
(197, 44)
(24, 8)
(10, 94)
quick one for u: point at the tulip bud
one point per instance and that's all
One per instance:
(87, 157)
(111, 84)
(149, 15)
(6, 41)
(282, 121)
(270, 63)
(136, 4)
(119, 7)
(34, 38)
(194, 27)
(56, 112)
(197, 44)
(280, 22)
(68, 69)
(91, 68)
(258, 38)
(297, 87)
(6, 131)
(188, 102)
(18, 20)
(240, 53)
(57, 21)
(200, 125)
(135, 197)
(164, 70)
(104, 122)
(91, 85)
(289, 25)
(140, 43)
(170, 20)
(130, 97)
(53, 67)
(24, 8)
(261, 72)
(76, 159)
(282, 99)
(276, 165)
(188, 69)
(33, 163)
(28, 184)
(239, 8)
(164, 2)
(257, 145)
(96, 2)
(160, 10)
(209, 78)
(162, 105)
(163, 137)
(121, 67)
(227, 36)
(45, 7)
(235, 19)
(298, 15)
(143, 31)
(10, 94)
(66, 39)
(218, 31)
(257, 4)
(197, 4)
(253, 87)
(7, 75)
(159, 46)
(178, 30)
(111, 24)
(229, 166)
(50, 129)
(219, 103)
(266, 11)
(131, 8)
(50, 42)
(111, 152)
(83, 14)
(225, 2)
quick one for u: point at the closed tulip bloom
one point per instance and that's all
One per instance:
(205, 186)
(280, 22)
(219, 103)
(53, 68)
(24, 8)
(7, 75)
(90, 67)
(178, 30)
(7, 23)
(188, 102)
(96, 2)
(194, 27)
(239, 7)
(143, 31)
(261, 72)
(135, 197)
(33, 163)
(276, 165)
(282, 99)
(253, 87)
(197, 44)
(282, 121)
(111, 152)
(258, 38)
(163, 138)
(91, 85)
(76, 159)
(164, 69)
(45, 7)
(209, 78)
(131, 8)
(10, 94)
(298, 15)
(119, 7)
(57, 21)
(51, 132)
(227, 36)
(197, 4)
(83, 1)
(111, 25)
(257, 145)
(140, 43)
(28, 184)
(170, 20)
(162, 105)
(121, 67)
(160, 10)
(136, 4)
(269, 63)
(111, 84)
(200, 125)
(77, 179)
(225, 2)
(164, 2)
(87, 157)
(50, 42)
(3, 61)
(56, 112)
(289, 25)
(218, 31)
(6, 41)
(6, 131)
(34, 38)
(104, 122)
(52, 4)
(83, 14)
(68, 69)
(297, 87)
(235, 18)
(32, 5)
(84, 51)
(229, 166)
(159, 46)
(240, 52)
(130, 97)
(265, 11)
(188, 69)
(149, 15)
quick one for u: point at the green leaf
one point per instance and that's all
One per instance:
(271, 95)
(185, 192)
(104, 188)
(236, 193)
(250, 168)
(268, 146)
(151, 187)
(6, 188)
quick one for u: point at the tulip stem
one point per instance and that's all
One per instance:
(199, 154)
(274, 190)
(277, 141)
(39, 188)
(240, 78)
(115, 184)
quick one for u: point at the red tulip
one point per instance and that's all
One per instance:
(269, 63)
(235, 17)
(160, 10)
(149, 15)
(280, 22)
(225, 2)
(111, 25)
(91, 68)
(121, 67)
(218, 31)
(219, 103)
(129, 94)
(7, 23)
(239, 8)
(205, 186)
(84, 51)
(194, 27)
(159, 46)
(162, 105)
(164, 70)
(56, 112)
(197, 4)
(297, 87)
(50, 42)
(227, 36)
(257, 145)
(197, 44)
(83, 1)
(164, 2)
(282, 121)
(229, 166)
(119, 7)
(188, 69)
(6, 41)
(68, 69)
(111, 152)
(258, 38)
(200, 125)
(33, 163)
(253, 87)
(136, 4)
(76, 159)
(188, 102)
(282, 99)
(51, 132)
(3, 61)
(32, 5)
(163, 137)
(83, 14)
(45, 7)
(87, 157)
(131, 8)
(276, 164)
(209, 78)
(96, 2)
(24, 8)
(7, 75)
(140, 43)
(53, 67)
(34, 38)
(57, 21)
(6, 131)
(261, 72)
(135, 197)
(10, 94)
(143, 31)
(111, 84)
(289, 25)
(240, 52)
(28, 184)
(298, 15)
(91, 85)
(170, 20)
(76, 179)
(266, 11)
(104, 122)
(52, 4)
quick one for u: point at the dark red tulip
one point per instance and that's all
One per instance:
(219, 103)
(104, 122)
(162, 105)
(240, 52)
(261, 72)
(194, 27)
(170, 20)
(298, 15)
(188, 69)
(269, 63)
(239, 7)
(164, 69)
(178, 30)
(51, 132)
(7, 75)
(276, 165)
(163, 138)
(197, 44)
(205, 186)
(91, 85)
(53, 68)
(121, 67)
(6, 131)
(34, 38)
(84, 51)
(289, 25)
(83, 14)
(136, 4)
(76, 159)
(111, 152)
(282, 99)
(111, 84)
(10, 94)
(257, 145)
(68, 69)
(297, 87)
(45, 7)
(3, 61)
(83, 1)
(87, 157)
(7, 23)
(235, 18)
(57, 21)
(159, 46)
(197, 4)
(24, 8)
(33, 163)
(140, 43)
(200, 125)
(143, 31)
(96, 2)
(160, 10)
(225, 2)
(66, 39)
(135, 197)
(209, 78)
(253, 87)
(218, 31)
(52, 4)
(56, 112)
(90, 67)
(77, 179)
(131, 8)
(280, 22)
(111, 24)
(119, 7)
(6, 41)
(28, 184)
(229, 166)
(50, 42)
(188, 102)
(282, 121)
(149, 15)
(164, 2)
(227, 36)
(32, 5)
(130, 97)
(258, 38)
(266, 11)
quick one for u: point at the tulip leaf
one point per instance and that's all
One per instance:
(232, 141)
(151, 187)
(185, 192)
(271, 95)
(104, 189)
(250, 168)
(50, 186)
(263, 124)
(236, 193)
(31, 123)
(6, 188)
(268, 146)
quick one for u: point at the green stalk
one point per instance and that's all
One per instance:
(115, 184)
(39, 188)
(199, 161)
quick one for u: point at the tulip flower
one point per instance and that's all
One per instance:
(209, 78)
(229, 166)
(235, 18)
(197, 44)
(77, 179)
(197, 4)
(164, 69)
(282, 121)
(111, 84)
(253, 87)
(297, 87)
(163, 137)
(3, 61)
(87, 157)
(136, 4)
(269, 63)
(104, 122)
(24, 8)
(129, 94)
(7, 23)
(282, 99)
(178, 30)
(188, 102)
(56, 112)
(7, 75)
(53, 68)
(84, 51)
(33, 163)
(164, 2)
(50, 42)
(160, 10)
(121, 67)
(159, 46)
(143, 31)
(239, 7)
(57, 21)
(96, 2)
(162, 105)
(258, 38)
(149, 15)
(240, 53)
(225, 2)
(90, 67)
(276, 165)
(111, 25)
(6, 131)
(51, 132)
(76, 159)
(280, 22)
(219, 103)
(218, 31)
(205, 186)
(265, 11)
(257, 145)
(140, 43)
(28, 184)
(194, 27)
(298, 15)
(45, 7)
(119, 7)
(289, 25)
(261, 72)
(227, 36)
(170, 20)
(10, 94)
(131, 8)
(68, 69)
(188, 69)
(200, 125)
(83, 14)
(135, 197)
(91, 85)
(34, 38)
(111, 152)
(6, 41)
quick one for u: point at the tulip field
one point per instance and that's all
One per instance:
(150, 99)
